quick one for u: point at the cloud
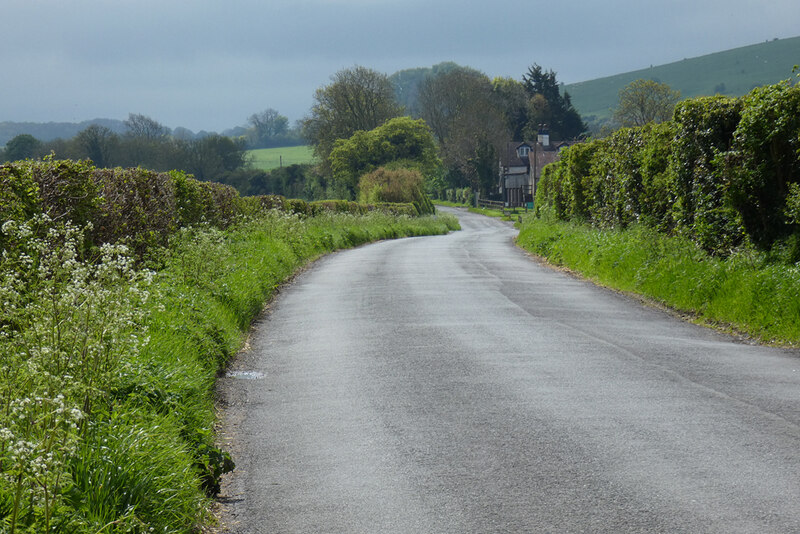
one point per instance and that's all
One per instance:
(206, 64)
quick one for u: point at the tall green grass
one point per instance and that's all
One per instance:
(108, 369)
(745, 292)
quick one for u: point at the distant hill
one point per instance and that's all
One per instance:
(48, 131)
(732, 72)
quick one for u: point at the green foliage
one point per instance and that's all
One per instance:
(793, 204)
(765, 160)
(23, 146)
(463, 111)
(138, 207)
(724, 173)
(68, 190)
(613, 182)
(107, 374)
(338, 206)
(357, 99)
(19, 194)
(401, 186)
(461, 195)
(705, 132)
(403, 142)
(268, 127)
(744, 291)
(643, 101)
(557, 111)
(406, 83)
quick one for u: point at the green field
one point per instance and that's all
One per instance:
(272, 158)
(733, 72)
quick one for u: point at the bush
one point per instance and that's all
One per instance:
(338, 206)
(19, 196)
(705, 129)
(138, 207)
(397, 186)
(765, 160)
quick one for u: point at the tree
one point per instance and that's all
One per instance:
(97, 142)
(143, 127)
(400, 142)
(357, 99)
(210, 158)
(562, 118)
(643, 101)
(463, 114)
(23, 146)
(267, 126)
(511, 97)
(406, 84)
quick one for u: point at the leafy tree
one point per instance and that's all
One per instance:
(267, 126)
(23, 146)
(562, 119)
(461, 109)
(643, 101)
(209, 158)
(143, 127)
(402, 141)
(97, 143)
(512, 98)
(406, 84)
(357, 99)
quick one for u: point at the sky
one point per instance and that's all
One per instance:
(210, 64)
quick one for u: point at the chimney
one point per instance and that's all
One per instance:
(544, 136)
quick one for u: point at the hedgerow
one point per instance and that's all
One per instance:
(722, 173)
(107, 367)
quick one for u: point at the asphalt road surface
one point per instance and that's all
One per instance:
(452, 384)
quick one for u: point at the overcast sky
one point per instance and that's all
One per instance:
(210, 64)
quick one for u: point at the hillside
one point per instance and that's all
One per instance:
(732, 72)
(47, 131)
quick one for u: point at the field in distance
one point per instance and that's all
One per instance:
(271, 158)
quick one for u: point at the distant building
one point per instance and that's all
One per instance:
(521, 166)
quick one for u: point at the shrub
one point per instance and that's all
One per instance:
(19, 196)
(138, 206)
(765, 160)
(705, 129)
(395, 185)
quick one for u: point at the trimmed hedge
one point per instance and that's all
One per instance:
(722, 173)
(144, 208)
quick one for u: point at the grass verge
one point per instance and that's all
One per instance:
(107, 370)
(744, 293)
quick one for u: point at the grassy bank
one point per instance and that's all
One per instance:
(106, 405)
(744, 293)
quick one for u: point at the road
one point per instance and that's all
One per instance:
(452, 384)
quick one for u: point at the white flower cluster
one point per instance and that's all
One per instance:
(68, 329)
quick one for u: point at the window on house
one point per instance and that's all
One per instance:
(523, 151)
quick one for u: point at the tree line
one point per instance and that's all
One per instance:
(470, 117)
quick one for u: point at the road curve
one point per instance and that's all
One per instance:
(450, 384)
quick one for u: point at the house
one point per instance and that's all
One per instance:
(521, 166)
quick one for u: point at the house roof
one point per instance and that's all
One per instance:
(509, 157)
